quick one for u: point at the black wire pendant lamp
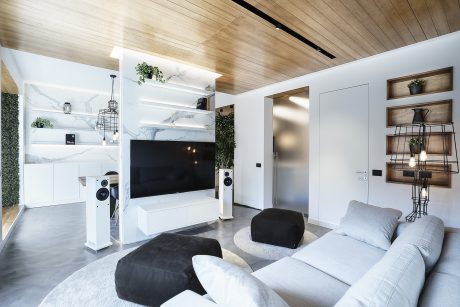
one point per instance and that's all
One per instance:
(107, 119)
(422, 163)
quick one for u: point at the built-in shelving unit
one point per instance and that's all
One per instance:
(174, 127)
(438, 143)
(60, 112)
(180, 88)
(439, 112)
(436, 81)
(173, 107)
(439, 179)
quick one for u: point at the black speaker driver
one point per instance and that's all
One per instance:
(102, 194)
(228, 181)
(226, 174)
(104, 183)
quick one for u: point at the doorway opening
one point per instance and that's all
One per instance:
(290, 150)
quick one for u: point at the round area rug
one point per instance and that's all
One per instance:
(94, 285)
(243, 240)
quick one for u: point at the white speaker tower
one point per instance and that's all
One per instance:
(97, 212)
(225, 194)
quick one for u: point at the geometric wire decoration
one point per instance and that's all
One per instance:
(421, 162)
(107, 119)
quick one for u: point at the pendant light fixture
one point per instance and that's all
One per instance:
(107, 119)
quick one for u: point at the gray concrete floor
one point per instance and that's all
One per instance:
(47, 246)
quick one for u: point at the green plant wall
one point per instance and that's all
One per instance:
(225, 140)
(10, 149)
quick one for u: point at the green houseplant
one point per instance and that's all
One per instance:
(10, 150)
(416, 86)
(41, 123)
(415, 144)
(145, 70)
(225, 140)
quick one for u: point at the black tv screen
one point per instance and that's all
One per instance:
(167, 167)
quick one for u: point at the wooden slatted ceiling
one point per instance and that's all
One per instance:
(8, 85)
(221, 36)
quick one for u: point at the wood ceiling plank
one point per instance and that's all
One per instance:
(452, 11)
(407, 15)
(364, 18)
(8, 85)
(422, 13)
(438, 16)
(393, 17)
(307, 27)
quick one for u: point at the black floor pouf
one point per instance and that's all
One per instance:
(162, 268)
(278, 227)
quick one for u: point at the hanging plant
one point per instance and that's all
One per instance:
(145, 70)
(41, 123)
(225, 140)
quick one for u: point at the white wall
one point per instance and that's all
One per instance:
(253, 134)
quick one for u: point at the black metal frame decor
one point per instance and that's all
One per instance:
(420, 163)
(107, 119)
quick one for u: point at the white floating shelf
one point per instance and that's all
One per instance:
(65, 129)
(176, 127)
(78, 144)
(180, 88)
(62, 113)
(174, 107)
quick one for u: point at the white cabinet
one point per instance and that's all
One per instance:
(38, 184)
(50, 184)
(66, 185)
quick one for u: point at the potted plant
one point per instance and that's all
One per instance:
(41, 123)
(416, 86)
(415, 144)
(145, 70)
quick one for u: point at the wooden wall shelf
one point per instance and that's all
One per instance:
(435, 144)
(438, 179)
(436, 81)
(440, 112)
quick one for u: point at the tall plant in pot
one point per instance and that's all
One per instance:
(225, 140)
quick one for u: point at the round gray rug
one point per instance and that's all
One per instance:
(94, 285)
(243, 240)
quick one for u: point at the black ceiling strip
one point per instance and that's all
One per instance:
(282, 27)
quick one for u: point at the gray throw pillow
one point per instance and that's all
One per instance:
(371, 224)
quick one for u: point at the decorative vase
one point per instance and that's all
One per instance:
(40, 125)
(67, 108)
(415, 89)
(419, 115)
(415, 148)
(150, 75)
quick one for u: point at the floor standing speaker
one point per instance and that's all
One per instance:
(97, 212)
(225, 194)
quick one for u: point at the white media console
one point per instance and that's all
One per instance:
(154, 218)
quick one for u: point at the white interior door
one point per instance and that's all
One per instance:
(344, 150)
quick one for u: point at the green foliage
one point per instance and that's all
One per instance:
(10, 150)
(145, 70)
(41, 123)
(415, 141)
(225, 140)
(420, 82)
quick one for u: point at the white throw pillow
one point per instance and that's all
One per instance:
(370, 224)
(396, 280)
(229, 285)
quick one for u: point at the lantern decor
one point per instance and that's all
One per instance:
(423, 161)
(107, 119)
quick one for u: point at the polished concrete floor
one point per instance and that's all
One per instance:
(47, 245)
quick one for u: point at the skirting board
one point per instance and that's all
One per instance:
(322, 224)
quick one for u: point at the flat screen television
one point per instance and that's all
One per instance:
(167, 167)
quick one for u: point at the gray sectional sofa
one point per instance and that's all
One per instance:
(419, 267)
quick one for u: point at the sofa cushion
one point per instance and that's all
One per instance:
(340, 256)
(370, 224)
(229, 285)
(427, 234)
(300, 284)
(440, 290)
(449, 261)
(396, 280)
